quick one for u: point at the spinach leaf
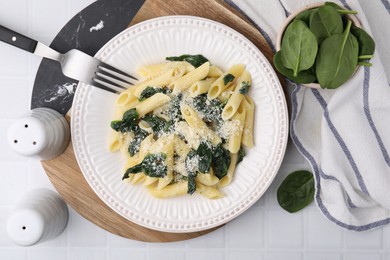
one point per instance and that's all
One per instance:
(135, 169)
(228, 78)
(210, 110)
(150, 91)
(153, 165)
(366, 43)
(169, 126)
(221, 161)
(339, 9)
(326, 21)
(129, 120)
(157, 124)
(296, 191)
(304, 16)
(139, 136)
(174, 107)
(299, 47)
(116, 125)
(241, 155)
(191, 162)
(244, 87)
(205, 155)
(303, 77)
(194, 60)
(191, 184)
(337, 59)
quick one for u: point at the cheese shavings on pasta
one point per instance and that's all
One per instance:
(183, 129)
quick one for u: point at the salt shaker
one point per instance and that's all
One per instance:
(42, 133)
(40, 215)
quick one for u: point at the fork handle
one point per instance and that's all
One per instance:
(17, 39)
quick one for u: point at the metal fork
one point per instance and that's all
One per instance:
(75, 64)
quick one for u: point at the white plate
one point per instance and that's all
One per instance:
(150, 42)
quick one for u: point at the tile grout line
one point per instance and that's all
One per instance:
(344, 246)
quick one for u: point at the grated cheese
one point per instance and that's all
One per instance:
(192, 163)
(229, 128)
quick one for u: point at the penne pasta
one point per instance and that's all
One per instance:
(162, 80)
(126, 97)
(234, 143)
(190, 78)
(208, 179)
(200, 127)
(175, 189)
(235, 99)
(214, 72)
(209, 191)
(225, 95)
(154, 70)
(247, 138)
(227, 179)
(150, 104)
(225, 80)
(200, 87)
(175, 137)
(114, 143)
(189, 134)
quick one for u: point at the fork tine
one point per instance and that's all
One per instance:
(98, 85)
(105, 66)
(113, 78)
(111, 81)
(108, 84)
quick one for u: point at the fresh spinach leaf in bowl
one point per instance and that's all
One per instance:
(321, 45)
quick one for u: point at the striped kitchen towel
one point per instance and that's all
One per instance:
(344, 133)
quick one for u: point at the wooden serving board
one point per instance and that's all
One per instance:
(64, 171)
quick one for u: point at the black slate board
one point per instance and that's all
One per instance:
(54, 90)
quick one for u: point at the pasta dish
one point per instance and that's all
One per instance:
(184, 128)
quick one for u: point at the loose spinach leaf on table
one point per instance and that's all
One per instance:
(366, 43)
(153, 165)
(299, 47)
(194, 60)
(325, 22)
(337, 59)
(303, 77)
(296, 191)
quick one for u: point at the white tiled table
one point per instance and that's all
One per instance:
(263, 232)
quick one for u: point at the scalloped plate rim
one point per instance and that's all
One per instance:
(238, 209)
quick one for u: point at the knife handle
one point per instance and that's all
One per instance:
(17, 39)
